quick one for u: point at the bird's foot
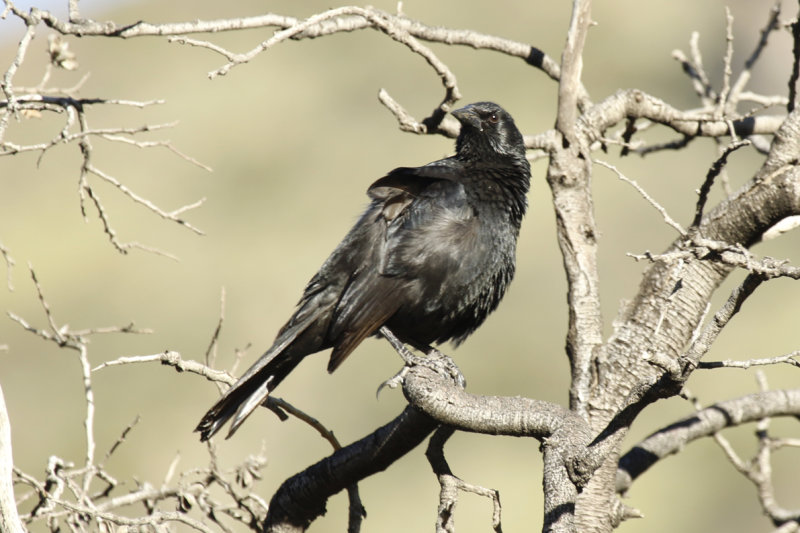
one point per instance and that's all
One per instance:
(435, 360)
(444, 366)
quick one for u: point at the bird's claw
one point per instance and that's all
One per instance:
(394, 381)
(437, 361)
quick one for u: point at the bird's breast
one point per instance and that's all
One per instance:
(463, 265)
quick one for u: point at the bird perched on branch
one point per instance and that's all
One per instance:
(430, 258)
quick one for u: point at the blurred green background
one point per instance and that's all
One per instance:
(294, 138)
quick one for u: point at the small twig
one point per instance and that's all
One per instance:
(172, 215)
(86, 374)
(110, 134)
(65, 338)
(772, 24)
(326, 433)
(738, 256)
(713, 172)
(759, 469)
(7, 82)
(65, 500)
(707, 95)
(9, 265)
(155, 519)
(377, 19)
(406, 121)
(698, 83)
(728, 254)
(795, 27)
(738, 463)
(121, 247)
(703, 343)
(173, 359)
(238, 356)
(182, 39)
(450, 484)
(211, 351)
(120, 440)
(130, 328)
(173, 466)
(151, 144)
(56, 331)
(727, 72)
(677, 144)
(789, 358)
(74, 109)
(668, 219)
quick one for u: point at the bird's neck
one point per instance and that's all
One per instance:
(501, 186)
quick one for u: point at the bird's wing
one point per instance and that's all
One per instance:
(365, 306)
(372, 295)
(436, 224)
(426, 210)
(410, 182)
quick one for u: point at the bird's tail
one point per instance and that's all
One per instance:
(294, 342)
(246, 395)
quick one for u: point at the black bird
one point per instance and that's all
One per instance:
(430, 258)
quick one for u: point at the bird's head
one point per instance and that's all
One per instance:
(488, 130)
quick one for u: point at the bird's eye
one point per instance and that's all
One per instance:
(493, 118)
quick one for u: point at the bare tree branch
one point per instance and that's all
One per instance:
(705, 423)
(569, 176)
(792, 101)
(713, 172)
(772, 25)
(571, 68)
(9, 519)
(66, 495)
(301, 498)
(703, 343)
(789, 358)
(451, 484)
(345, 22)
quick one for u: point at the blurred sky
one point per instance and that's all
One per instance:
(294, 139)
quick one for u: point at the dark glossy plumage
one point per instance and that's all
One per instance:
(430, 258)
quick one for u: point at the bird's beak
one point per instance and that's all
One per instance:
(468, 117)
